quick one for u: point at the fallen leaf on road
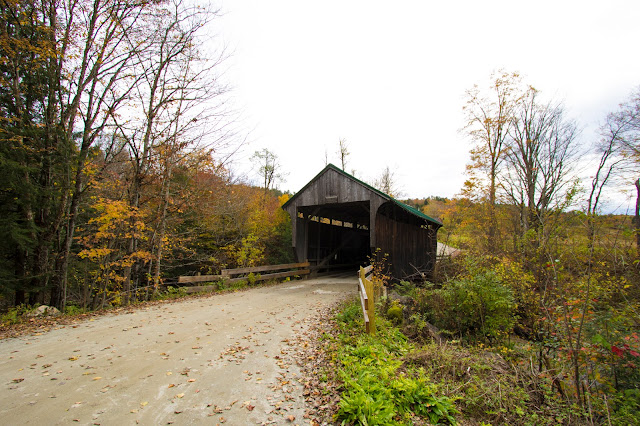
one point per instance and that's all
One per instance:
(142, 404)
(18, 380)
(180, 395)
(290, 418)
(97, 378)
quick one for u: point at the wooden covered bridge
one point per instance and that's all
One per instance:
(340, 220)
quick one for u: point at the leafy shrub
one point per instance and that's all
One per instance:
(366, 407)
(420, 397)
(73, 310)
(252, 278)
(477, 306)
(627, 406)
(405, 288)
(174, 292)
(394, 313)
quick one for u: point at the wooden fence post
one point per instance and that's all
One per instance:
(369, 308)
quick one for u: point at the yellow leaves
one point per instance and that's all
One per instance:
(248, 253)
(95, 254)
(283, 199)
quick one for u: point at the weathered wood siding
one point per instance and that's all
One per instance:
(333, 187)
(410, 247)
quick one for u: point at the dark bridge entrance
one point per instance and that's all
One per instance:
(338, 219)
(336, 234)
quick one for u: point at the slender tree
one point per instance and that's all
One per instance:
(343, 152)
(623, 128)
(178, 109)
(489, 114)
(269, 168)
(541, 151)
(387, 183)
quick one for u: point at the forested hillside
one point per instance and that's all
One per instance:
(116, 137)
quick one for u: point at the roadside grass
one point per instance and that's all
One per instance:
(389, 380)
(377, 388)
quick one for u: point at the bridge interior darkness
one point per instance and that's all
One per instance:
(337, 234)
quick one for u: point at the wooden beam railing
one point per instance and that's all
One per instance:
(238, 274)
(367, 298)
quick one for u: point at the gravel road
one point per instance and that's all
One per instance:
(210, 360)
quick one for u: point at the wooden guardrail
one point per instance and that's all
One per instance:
(367, 298)
(238, 274)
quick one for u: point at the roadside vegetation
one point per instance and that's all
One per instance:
(475, 350)
(536, 318)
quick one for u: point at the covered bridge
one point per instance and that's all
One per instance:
(339, 220)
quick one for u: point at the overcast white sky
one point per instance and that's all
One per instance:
(389, 77)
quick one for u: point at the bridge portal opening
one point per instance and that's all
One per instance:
(336, 234)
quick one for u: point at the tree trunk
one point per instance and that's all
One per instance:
(162, 227)
(59, 289)
(493, 222)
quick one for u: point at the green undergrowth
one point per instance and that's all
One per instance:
(390, 380)
(378, 388)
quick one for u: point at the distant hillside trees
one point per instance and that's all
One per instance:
(115, 134)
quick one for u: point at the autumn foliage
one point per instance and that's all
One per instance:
(115, 139)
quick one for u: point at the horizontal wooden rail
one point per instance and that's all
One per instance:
(271, 276)
(237, 271)
(227, 275)
(198, 278)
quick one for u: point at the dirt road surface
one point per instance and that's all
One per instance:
(220, 359)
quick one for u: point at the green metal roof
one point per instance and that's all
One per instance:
(400, 204)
